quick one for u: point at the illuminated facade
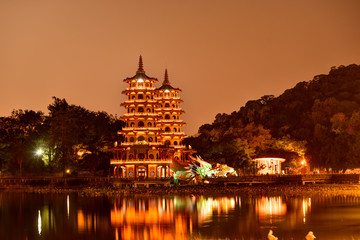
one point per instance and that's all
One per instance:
(269, 165)
(152, 132)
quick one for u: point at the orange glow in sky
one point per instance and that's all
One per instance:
(220, 53)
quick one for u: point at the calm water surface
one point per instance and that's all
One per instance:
(59, 216)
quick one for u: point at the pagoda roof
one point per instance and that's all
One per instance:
(166, 84)
(140, 73)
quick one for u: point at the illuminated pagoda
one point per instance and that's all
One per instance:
(152, 133)
(169, 121)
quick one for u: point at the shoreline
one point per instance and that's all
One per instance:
(289, 190)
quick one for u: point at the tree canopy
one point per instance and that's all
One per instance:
(69, 137)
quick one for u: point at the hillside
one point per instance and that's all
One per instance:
(318, 120)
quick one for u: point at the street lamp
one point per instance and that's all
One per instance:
(39, 152)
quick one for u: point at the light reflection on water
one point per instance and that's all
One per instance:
(36, 216)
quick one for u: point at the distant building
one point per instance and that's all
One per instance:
(268, 165)
(152, 132)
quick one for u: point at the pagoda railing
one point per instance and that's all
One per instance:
(140, 114)
(144, 161)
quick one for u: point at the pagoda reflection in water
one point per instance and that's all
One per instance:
(164, 218)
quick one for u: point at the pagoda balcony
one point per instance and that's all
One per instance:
(142, 161)
(132, 101)
(143, 114)
(174, 133)
(139, 89)
(167, 98)
(129, 129)
(128, 144)
(169, 109)
(171, 121)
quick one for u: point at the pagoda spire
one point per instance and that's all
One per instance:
(141, 67)
(166, 78)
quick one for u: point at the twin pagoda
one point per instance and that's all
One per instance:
(152, 136)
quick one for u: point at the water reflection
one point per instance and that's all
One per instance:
(170, 218)
(188, 217)
(270, 206)
(39, 223)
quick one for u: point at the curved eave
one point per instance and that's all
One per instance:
(165, 122)
(130, 90)
(161, 100)
(137, 102)
(170, 110)
(140, 75)
(168, 87)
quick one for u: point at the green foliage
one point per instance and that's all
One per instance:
(65, 132)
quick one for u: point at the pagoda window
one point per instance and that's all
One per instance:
(133, 97)
(148, 110)
(132, 124)
(147, 85)
(141, 138)
(141, 156)
(133, 85)
(149, 124)
(151, 156)
(140, 109)
(140, 96)
(150, 139)
(157, 156)
(124, 156)
(148, 97)
(167, 116)
(167, 105)
(140, 84)
(175, 143)
(132, 139)
(131, 156)
(167, 129)
(126, 139)
(175, 130)
(155, 139)
(174, 117)
(173, 105)
(133, 110)
(141, 124)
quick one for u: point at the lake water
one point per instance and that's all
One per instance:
(69, 216)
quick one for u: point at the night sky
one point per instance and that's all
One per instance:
(221, 53)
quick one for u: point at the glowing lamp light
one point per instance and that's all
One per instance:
(39, 152)
(67, 171)
(140, 80)
(167, 90)
(303, 162)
